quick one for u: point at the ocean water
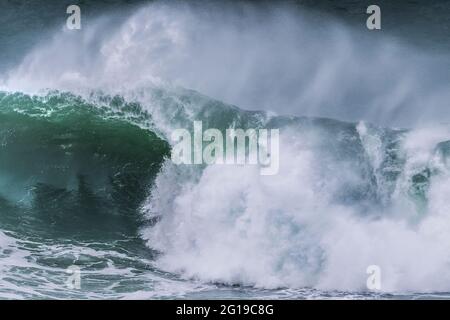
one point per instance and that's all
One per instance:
(86, 179)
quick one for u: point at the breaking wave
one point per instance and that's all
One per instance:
(89, 160)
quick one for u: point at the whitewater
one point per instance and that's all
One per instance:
(86, 177)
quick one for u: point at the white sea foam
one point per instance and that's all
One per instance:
(234, 226)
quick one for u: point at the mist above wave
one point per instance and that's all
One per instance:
(270, 57)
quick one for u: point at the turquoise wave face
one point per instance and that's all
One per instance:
(66, 164)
